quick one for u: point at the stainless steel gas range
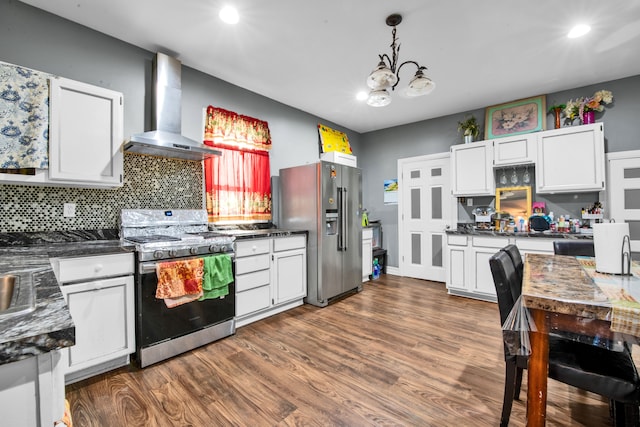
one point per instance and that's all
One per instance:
(177, 244)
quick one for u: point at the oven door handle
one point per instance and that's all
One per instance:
(150, 267)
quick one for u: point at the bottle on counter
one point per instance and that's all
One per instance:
(376, 269)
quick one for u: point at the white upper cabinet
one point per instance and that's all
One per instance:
(85, 134)
(472, 169)
(571, 159)
(567, 160)
(85, 138)
(515, 150)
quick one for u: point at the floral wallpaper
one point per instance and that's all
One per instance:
(24, 117)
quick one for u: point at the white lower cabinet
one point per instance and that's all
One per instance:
(100, 296)
(367, 253)
(534, 246)
(457, 276)
(469, 273)
(482, 248)
(289, 271)
(271, 276)
(32, 391)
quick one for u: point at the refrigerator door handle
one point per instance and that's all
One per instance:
(342, 236)
(345, 216)
(340, 220)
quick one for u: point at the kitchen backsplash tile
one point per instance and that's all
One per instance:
(149, 182)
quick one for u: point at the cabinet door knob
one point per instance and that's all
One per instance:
(98, 268)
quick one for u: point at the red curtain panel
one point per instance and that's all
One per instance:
(238, 183)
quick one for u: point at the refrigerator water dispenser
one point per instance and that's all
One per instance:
(332, 223)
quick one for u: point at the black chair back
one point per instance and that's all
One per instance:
(574, 247)
(518, 264)
(506, 282)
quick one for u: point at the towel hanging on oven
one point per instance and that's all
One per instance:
(217, 276)
(179, 282)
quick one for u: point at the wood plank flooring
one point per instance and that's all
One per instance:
(400, 353)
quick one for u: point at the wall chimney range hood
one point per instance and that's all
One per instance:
(166, 140)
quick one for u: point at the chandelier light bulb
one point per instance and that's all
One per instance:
(381, 78)
(379, 98)
(420, 85)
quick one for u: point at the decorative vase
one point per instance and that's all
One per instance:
(589, 117)
(468, 139)
(557, 112)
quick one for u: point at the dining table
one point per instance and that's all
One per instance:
(567, 294)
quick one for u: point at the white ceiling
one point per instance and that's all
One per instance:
(316, 55)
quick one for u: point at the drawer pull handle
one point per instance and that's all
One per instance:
(98, 268)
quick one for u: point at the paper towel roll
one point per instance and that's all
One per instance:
(607, 242)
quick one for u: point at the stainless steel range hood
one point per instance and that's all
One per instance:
(165, 140)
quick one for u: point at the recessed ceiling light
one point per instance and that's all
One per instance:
(362, 96)
(579, 30)
(229, 15)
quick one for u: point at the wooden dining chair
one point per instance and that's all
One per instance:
(604, 372)
(574, 247)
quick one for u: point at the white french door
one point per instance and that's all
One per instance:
(424, 211)
(623, 192)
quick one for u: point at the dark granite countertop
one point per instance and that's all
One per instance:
(49, 326)
(540, 234)
(261, 233)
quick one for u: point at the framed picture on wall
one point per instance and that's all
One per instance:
(516, 117)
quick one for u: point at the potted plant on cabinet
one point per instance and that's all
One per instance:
(470, 128)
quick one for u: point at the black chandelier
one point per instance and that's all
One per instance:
(386, 76)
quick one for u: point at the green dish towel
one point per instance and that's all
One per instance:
(217, 276)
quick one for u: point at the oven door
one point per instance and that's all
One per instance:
(156, 323)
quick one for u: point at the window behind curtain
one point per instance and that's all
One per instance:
(237, 183)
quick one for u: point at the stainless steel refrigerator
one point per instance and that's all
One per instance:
(326, 199)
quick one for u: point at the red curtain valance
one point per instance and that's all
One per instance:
(226, 128)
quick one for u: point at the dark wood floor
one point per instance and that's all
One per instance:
(400, 353)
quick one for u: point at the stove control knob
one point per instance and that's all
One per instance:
(173, 252)
(193, 250)
(214, 248)
(157, 254)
